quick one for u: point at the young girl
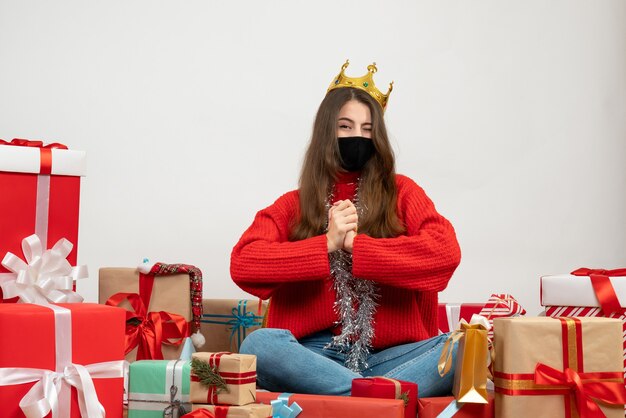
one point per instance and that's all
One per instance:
(352, 260)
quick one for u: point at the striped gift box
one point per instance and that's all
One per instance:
(500, 305)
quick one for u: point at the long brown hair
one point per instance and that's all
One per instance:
(322, 166)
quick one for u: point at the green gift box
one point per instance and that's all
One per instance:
(159, 388)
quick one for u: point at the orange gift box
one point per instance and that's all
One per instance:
(432, 407)
(323, 406)
(75, 342)
(40, 194)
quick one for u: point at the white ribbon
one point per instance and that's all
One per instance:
(43, 397)
(477, 319)
(51, 392)
(45, 277)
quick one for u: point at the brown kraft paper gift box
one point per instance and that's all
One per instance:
(225, 323)
(237, 374)
(170, 293)
(589, 349)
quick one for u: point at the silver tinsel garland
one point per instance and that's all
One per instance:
(355, 306)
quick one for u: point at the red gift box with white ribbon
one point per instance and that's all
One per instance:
(40, 194)
(64, 360)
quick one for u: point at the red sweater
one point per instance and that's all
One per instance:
(409, 269)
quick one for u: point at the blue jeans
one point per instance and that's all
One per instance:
(285, 364)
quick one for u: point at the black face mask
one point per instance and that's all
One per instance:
(355, 151)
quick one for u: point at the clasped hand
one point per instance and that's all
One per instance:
(342, 226)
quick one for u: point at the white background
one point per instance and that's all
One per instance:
(196, 114)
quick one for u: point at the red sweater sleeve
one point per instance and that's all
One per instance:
(423, 259)
(264, 258)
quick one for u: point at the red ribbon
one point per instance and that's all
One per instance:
(219, 412)
(584, 391)
(602, 286)
(45, 165)
(149, 330)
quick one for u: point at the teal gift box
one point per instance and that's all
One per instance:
(158, 388)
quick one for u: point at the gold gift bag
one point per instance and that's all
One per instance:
(470, 376)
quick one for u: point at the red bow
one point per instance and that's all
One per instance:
(149, 330)
(602, 286)
(36, 144)
(612, 392)
(45, 165)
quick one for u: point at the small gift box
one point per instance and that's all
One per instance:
(470, 375)
(72, 365)
(159, 388)
(449, 315)
(317, 406)
(225, 323)
(384, 387)
(40, 195)
(558, 367)
(500, 305)
(252, 410)
(223, 378)
(447, 406)
(163, 289)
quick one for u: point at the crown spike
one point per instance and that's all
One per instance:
(365, 83)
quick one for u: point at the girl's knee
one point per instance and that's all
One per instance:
(262, 339)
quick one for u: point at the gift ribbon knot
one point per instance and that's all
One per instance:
(45, 151)
(282, 409)
(45, 276)
(586, 387)
(43, 397)
(149, 330)
(602, 286)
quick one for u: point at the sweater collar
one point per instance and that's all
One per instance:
(346, 177)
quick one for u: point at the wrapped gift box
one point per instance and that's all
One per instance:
(432, 407)
(226, 322)
(237, 376)
(252, 410)
(578, 290)
(159, 387)
(383, 387)
(169, 294)
(40, 195)
(575, 295)
(49, 342)
(538, 360)
(322, 406)
(450, 314)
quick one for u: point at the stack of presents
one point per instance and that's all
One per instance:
(153, 347)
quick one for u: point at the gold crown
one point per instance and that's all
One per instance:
(365, 83)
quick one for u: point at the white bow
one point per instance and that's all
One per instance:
(43, 397)
(46, 276)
